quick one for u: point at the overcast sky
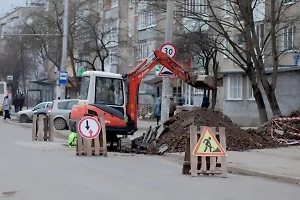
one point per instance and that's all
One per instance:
(7, 5)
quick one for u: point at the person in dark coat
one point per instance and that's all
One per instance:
(205, 102)
(16, 103)
(22, 100)
(157, 110)
(172, 107)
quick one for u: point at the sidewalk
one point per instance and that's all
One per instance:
(281, 164)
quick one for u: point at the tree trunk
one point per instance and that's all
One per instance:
(215, 74)
(273, 103)
(262, 112)
(75, 75)
(213, 99)
(102, 64)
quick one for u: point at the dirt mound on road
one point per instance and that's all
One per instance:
(176, 135)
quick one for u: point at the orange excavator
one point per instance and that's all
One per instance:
(115, 96)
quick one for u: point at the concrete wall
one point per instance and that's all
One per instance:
(244, 112)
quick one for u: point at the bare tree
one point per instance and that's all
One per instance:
(235, 21)
(97, 34)
(16, 61)
(199, 45)
(89, 40)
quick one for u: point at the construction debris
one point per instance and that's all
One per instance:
(284, 129)
(174, 137)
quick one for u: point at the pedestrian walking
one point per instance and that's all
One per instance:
(6, 108)
(157, 110)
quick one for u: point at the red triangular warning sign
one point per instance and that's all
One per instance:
(208, 145)
(165, 72)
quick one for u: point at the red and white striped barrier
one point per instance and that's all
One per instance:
(286, 119)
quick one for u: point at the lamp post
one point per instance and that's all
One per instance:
(166, 89)
(63, 66)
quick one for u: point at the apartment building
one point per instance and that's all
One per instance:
(133, 36)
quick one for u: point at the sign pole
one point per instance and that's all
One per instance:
(63, 65)
(166, 93)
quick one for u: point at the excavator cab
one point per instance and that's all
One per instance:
(103, 93)
(103, 88)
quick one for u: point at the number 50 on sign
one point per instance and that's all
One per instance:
(169, 49)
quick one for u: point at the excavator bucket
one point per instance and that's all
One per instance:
(205, 82)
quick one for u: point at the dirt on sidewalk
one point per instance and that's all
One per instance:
(237, 139)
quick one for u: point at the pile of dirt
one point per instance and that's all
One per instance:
(237, 139)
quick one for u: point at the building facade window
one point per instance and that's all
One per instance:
(130, 29)
(260, 33)
(111, 31)
(145, 49)
(250, 91)
(225, 48)
(227, 8)
(193, 7)
(288, 1)
(113, 58)
(239, 39)
(130, 4)
(146, 19)
(289, 34)
(114, 3)
(235, 85)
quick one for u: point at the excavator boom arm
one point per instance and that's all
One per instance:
(135, 77)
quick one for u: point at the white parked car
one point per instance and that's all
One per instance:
(60, 111)
(25, 116)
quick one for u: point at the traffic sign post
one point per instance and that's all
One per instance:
(89, 127)
(63, 78)
(206, 155)
(208, 145)
(170, 50)
(165, 72)
(91, 137)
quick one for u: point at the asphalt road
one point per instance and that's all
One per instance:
(48, 171)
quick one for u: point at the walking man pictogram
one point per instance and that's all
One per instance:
(208, 144)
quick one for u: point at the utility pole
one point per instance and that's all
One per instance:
(63, 66)
(166, 89)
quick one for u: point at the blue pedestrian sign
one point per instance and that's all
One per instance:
(63, 77)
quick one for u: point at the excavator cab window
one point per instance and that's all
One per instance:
(109, 91)
(84, 89)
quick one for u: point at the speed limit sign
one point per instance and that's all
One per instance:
(169, 49)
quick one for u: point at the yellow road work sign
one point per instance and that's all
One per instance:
(208, 145)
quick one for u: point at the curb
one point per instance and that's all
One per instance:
(57, 134)
(249, 172)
